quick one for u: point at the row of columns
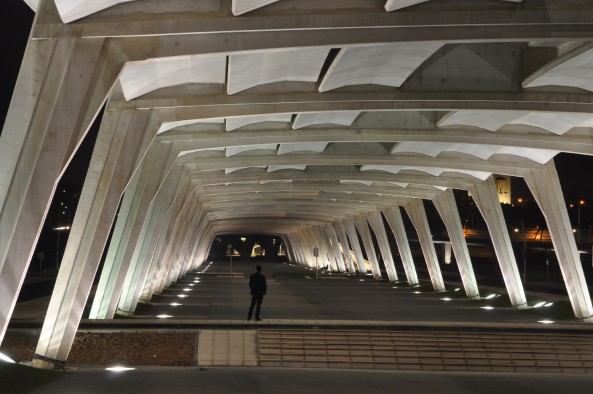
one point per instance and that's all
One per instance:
(544, 185)
(161, 231)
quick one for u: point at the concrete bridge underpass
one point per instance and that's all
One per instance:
(328, 126)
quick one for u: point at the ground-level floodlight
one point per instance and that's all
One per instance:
(316, 254)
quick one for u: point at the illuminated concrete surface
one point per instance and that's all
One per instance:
(288, 122)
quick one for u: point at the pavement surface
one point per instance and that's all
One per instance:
(300, 381)
(216, 296)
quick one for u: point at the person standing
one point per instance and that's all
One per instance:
(258, 288)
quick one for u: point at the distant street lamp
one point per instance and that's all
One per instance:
(581, 203)
(524, 254)
(59, 230)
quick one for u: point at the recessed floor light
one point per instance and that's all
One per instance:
(5, 358)
(164, 316)
(487, 307)
(446, 299)
(546, 321)
(119, 368)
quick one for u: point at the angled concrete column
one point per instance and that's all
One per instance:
(186, 254)
(130, 220)
(333, 236)
(292, 252)
(447, 208)
(205, 240)
(295, 246)
(376, 221)
(447, 252)
(146, 262)
(394, 218)
(308, 248)
(147, 242)
(345, 246)
(177, 249)
(302, 250)
(119, 146)
(486, 197)
(417, 214)
(293, 238)
(354, 242)
(304, 247)
(197, 233)
(546, 189)
(157, 262)
(288, 248)
(158, 237)
(326, 250)
(175, 223)
(59, 91)
(203, 236)
(363, 229)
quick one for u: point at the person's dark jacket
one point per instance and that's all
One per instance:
(257, 284)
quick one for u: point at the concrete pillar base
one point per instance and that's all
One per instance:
(42, 362)
(586, 319)
(124, 313)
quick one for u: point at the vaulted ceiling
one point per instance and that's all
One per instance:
(296, 131)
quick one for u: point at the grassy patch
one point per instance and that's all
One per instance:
(17, 378)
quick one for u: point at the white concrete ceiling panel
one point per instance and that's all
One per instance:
(276, 181)
(316, 147)
(71, 10)
(343, 118)
(188, 152)
(300, 167)
(557, 123)
(145, 76)
(234, 169)
(166, 126)
(393, 5)
(33, 4)
(242, 121)
(355, 182)
(240, 7)
(253, 69)
(432, 171)
(575, 72)
(388, 65)
(488, 120)
(235, 150)
(400, 184)
(485, 152)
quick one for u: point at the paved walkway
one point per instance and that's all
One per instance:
(215, 298)
(300, 381)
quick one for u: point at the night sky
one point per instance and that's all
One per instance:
(576, 172)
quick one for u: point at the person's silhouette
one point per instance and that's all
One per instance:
(258, 288)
